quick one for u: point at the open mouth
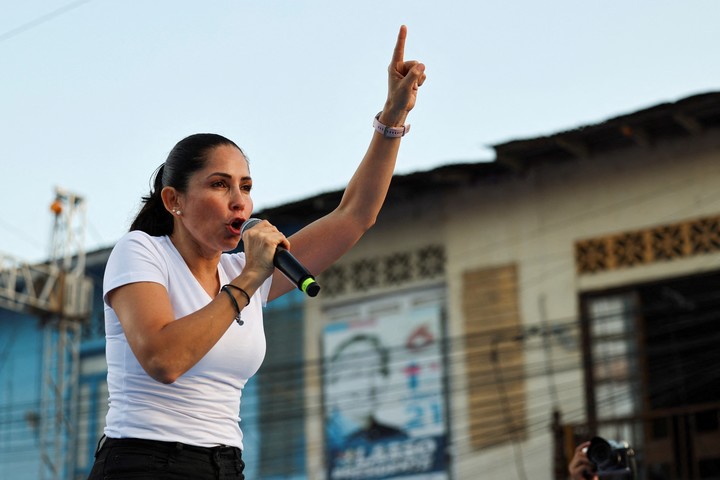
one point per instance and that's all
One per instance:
(235, 227)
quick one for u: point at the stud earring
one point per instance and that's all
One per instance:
(177, 212)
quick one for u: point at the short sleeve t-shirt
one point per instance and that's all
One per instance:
(202, 407)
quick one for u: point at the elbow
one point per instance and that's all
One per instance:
(161, 371)
(368, 224)
(363, 221)
(358, 218)
(356, 228)
(165, 377)
(160, 363)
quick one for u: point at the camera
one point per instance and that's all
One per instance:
(614, 460)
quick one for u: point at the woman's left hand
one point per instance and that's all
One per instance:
(404, 79)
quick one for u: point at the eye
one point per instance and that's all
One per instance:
(247, 187)
(218, 184)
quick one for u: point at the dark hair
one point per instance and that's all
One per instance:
(187, 157)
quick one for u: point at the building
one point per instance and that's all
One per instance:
(497, 313)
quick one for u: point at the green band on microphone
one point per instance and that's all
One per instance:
(306, 283)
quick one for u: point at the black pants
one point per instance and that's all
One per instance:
(150, 460)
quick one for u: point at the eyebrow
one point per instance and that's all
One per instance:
(227, 175)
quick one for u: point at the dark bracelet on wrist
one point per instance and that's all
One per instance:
(245, 294)
(226, 289)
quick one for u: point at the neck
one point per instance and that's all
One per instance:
(203, 264)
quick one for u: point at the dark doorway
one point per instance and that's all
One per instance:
(681, 332)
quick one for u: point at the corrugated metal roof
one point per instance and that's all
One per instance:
(686, 117)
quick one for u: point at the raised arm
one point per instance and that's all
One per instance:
(324, 241)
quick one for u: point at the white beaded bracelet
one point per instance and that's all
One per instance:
(390, 132)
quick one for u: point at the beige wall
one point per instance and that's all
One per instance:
(533, 220)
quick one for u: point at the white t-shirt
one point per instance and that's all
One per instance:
(202, 407)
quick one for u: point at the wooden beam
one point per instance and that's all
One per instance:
(575, 147)
(637, 134)
(689, 123)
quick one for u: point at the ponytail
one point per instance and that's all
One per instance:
(153, 218)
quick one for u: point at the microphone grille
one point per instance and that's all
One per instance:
(249, 223)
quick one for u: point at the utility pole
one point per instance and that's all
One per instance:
(59, 293)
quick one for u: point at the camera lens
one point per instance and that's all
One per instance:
(600, 452)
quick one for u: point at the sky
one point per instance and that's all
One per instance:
(95, 93)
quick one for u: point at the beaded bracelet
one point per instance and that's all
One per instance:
(226, 289)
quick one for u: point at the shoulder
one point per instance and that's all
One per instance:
(137, 242)
(138, 237)
(137, 256)
(133, 240)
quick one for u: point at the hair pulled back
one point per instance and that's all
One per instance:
(187, 157)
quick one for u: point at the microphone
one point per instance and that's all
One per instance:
(288, 265)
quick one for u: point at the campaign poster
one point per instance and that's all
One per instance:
(384, 397)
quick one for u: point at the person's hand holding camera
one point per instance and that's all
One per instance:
(581, 468)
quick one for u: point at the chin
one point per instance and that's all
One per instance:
(230, 246)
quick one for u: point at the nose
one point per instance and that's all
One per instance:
(239, 199)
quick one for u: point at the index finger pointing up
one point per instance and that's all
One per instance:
(399, 52)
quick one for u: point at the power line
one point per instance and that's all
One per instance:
(42, 19)
(21, 235)
(535, 342)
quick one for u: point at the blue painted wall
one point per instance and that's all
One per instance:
(21, 347)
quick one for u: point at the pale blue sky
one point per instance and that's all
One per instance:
(96, 92)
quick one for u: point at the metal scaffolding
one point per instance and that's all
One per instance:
(59, 293)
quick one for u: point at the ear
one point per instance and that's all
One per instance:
(171, 199)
